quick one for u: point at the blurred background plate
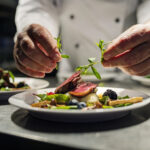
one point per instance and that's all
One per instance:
(142, 80)
(32, 82)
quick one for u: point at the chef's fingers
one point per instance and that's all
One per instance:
(28, 71)
(45, 41)
(29, 63)
(134, 36)
(137, 69)
(33, 52)
(129, 58)
(147, 72)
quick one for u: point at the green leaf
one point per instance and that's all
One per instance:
(59, 46)
(124, 97)
(91, 60)
(12, 76)
(101, 84)
(104, 100)
(78, 68)
(56, 66)
(5, 89)
(64, 107)
(107, 107)
(95, 72)
(122, 105)
(2, 81)
(42, 96)
(101, 45)
(60, 98)
(148, 76)
(65, 56)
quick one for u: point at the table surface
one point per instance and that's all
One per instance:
(129, 132)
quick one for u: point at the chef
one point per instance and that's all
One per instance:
(82, 23)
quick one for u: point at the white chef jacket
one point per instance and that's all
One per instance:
(82, 23)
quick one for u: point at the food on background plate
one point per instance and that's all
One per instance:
(7, 82)
(148, 76)
(74, 93)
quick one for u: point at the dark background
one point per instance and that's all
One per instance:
(7, 32)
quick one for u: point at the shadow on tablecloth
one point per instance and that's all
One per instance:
(23, 119)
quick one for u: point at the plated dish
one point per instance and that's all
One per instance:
(10, 85)
(74, 93)
(7, 82)
(79, 105)
(32, 82)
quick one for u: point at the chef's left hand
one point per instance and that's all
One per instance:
(130, 51)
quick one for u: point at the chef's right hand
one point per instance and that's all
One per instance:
(36, 51)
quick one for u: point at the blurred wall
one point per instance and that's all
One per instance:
(7, 31)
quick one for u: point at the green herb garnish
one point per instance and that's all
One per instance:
(5, 89)
(91, 64)
(104, 100)
(107, 107)
(64, 107)
(65, 56)
(124, 97)
(102, 45)
(122, 105)
(12, 76)
(92, 61)
(148, 76)
(60, 98)
(59, 46)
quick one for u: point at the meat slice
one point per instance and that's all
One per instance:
(69, 84)
(83, 89)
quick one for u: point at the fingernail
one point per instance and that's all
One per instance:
(48, 70)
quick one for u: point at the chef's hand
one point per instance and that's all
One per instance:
(36, 51)
(130, 51)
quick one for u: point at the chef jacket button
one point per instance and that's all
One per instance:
(71, 16)
(117, 20)
(77, 45)
(54, 3)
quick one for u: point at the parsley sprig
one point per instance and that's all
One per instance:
(102, 45)
(93, 61)
(59, 46)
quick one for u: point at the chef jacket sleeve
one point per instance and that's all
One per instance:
(43, 12)
(143, 11)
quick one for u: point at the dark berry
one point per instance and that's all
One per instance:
(20, 84)
(73, 102)
(112, 94)
(81, 105)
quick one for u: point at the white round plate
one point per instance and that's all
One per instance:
(142, 80)
(32, 82)
(25, 99)
(91, 78)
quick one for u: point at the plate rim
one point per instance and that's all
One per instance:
(139, 78)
